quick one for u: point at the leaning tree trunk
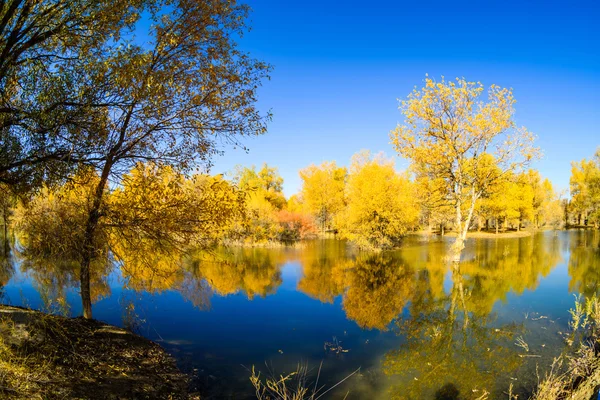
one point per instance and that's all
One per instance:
(89, 245)
(462, 227)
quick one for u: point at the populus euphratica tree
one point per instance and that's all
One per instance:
(450, 132)
(46, 100)
(171, 102)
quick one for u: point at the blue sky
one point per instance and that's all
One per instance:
(339, 68)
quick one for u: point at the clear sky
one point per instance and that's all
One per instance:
(339, 68)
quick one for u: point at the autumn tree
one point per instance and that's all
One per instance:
(265, 183)
(381, 203)
(147, 224)
(552, 213)
(171, 101)
(435, 210)
(585, 190)
(46, 99)
(524, 198)
(450, 133)
(323, 191)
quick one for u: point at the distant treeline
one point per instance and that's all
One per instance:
(369, 203)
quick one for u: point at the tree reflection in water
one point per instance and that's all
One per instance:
(452, 343)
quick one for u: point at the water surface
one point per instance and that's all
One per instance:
(416, 326)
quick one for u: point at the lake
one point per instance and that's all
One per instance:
(416, 326)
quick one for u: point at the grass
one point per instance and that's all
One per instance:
(20, 375)
(293, 386)
(576, 375)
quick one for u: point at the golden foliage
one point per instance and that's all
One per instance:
(585, 190)
(382, 204)
(146, 226)
(323, 191)
(467, 143)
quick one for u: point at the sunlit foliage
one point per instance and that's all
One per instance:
(382, 203)
(323, 192)
(52, 223)
(585, 191)
(146, 225)
(453, 135)
(267, 218)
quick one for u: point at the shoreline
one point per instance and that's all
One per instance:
(49, 356)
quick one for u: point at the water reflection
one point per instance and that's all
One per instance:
(253, 272)
(584, 263)
(449, 342)
(7, 268)
(450, 352)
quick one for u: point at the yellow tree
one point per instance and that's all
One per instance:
(382, 204)
(265, 183)
(172, 101)
(585, 189)
(323, 191)
(552, 213)
(451, 133)
(435, 210)
(146, 224)
(264, 198)
(525, 198)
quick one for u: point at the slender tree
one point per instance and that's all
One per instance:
(171, 101)
(450, 133)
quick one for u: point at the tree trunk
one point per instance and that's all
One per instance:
(5, 217)
(462, 228)
(497, 225)
(89, 249)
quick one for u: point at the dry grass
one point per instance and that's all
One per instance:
(293, 386)
(576, 375)
(50, 357)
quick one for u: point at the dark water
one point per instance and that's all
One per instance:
(415, 325)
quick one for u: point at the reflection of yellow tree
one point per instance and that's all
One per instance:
(584, 263)
(498, 267)
(379, 286)
(375, 287)
(52, 278)
(7, 268)
(427, 258)
(253, 271)
(323, 266)
(149, 267)
(449, 352)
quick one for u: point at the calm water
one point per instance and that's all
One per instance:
(416, 326)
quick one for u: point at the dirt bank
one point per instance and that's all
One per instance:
(52, 357)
